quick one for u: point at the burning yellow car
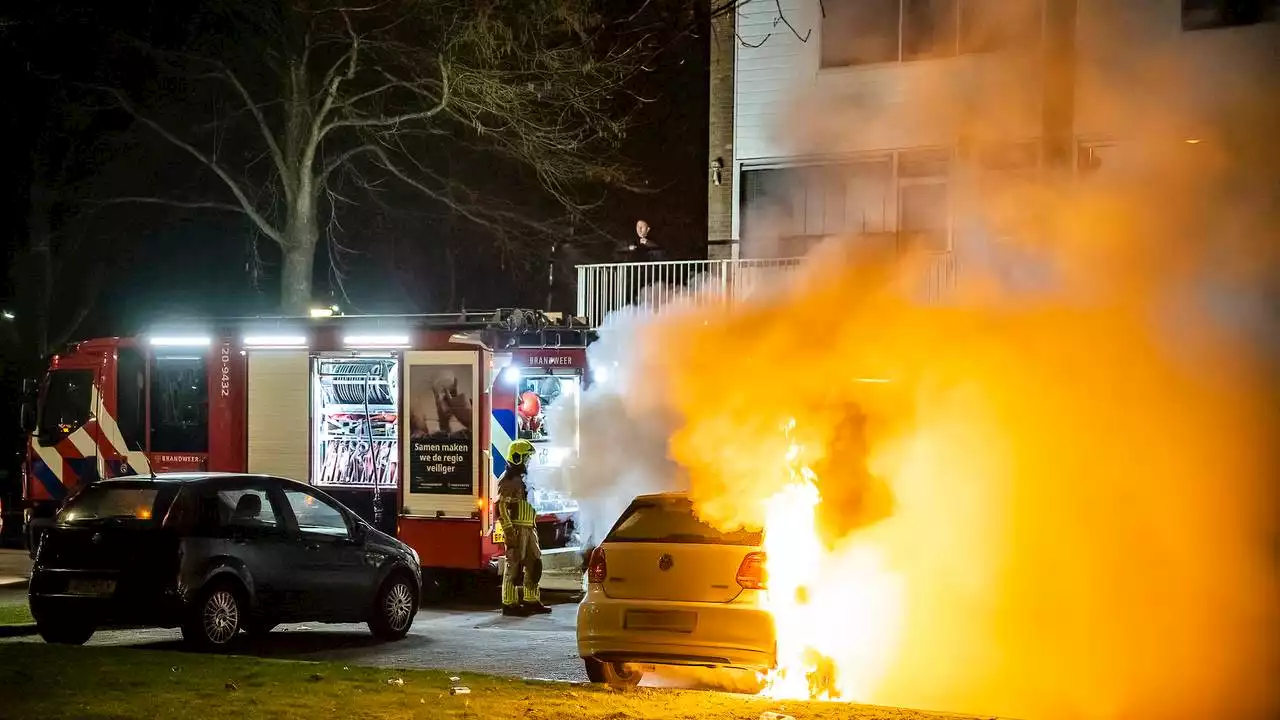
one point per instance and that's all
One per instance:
(665, 588)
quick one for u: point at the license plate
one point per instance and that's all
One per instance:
(96, 588)
(663, 621)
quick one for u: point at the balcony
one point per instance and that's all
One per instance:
(607, 288)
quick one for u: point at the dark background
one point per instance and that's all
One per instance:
(401, 255)
(135, 264)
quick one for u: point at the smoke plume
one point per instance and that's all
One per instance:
(1064, 462)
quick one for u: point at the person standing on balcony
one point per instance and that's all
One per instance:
(643, 249)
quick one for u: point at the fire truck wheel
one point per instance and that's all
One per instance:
(393, 611)
(64, 631)
(613, 674)
(216, 617)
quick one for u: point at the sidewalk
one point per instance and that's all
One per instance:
(15, 567)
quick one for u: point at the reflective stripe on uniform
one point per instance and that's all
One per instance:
(525, 515)
(523, 558)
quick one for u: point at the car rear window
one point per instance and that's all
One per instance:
(673, 521)
(98, 503)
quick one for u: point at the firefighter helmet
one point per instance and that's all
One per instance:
(520, 452)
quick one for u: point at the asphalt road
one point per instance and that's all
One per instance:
(15, 566)
(460, 639)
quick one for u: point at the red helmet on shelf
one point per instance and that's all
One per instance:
(530, 404)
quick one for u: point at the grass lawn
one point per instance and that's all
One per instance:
(15, 612)
(51, 682)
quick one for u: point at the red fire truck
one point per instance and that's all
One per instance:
(405, 419)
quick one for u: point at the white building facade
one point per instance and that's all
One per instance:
(854, 118)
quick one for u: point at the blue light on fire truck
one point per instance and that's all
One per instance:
(511, 374)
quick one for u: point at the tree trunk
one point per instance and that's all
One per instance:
(295, 279)
(301, 237)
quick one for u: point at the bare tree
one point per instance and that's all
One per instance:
(337, 95)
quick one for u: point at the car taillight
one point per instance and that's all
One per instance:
(597, 569)
(751, 573)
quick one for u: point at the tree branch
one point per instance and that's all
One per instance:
(225, 73)
(499, 223)
(90, 291)
(174, 203)
(333, 80)
(342, 159)
(245, 204)
(393, 120)
(267, 135)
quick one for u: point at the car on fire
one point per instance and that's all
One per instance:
(665, 588)
(215, 554)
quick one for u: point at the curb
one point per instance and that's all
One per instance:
(7, 631)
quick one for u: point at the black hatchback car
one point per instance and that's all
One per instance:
(215, 554)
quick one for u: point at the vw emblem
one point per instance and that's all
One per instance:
(97, 538)
(665, 563)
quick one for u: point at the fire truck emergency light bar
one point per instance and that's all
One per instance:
(267, 342)
(376, 341)
(180, 341)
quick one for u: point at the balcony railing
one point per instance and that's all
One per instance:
(607, 288)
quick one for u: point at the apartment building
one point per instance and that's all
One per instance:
(859, 118)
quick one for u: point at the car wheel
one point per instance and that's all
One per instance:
(64, 631)
(215, 618)
(613, 674)
(393, 611)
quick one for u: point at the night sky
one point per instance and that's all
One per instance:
(148, 262)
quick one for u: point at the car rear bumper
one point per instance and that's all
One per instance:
(721, 635)
(127, 604)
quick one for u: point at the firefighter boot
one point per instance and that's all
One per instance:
(535, 608)
(517, 610)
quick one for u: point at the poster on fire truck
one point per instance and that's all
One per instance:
(442, 415)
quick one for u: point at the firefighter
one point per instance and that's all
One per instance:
(518, 521)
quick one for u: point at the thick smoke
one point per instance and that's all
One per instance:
(1068, 469)
(624, 428)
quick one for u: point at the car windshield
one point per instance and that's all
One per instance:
(98, 503)
(673, 521)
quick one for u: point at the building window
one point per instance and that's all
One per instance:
(860, 32)
(179, 405)
(924, 197)
(802, 205)
(1209, 14)
(863, 32)
(994, 25)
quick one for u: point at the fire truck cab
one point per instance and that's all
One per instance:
(405, 419)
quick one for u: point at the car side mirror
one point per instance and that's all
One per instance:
(359, 533)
